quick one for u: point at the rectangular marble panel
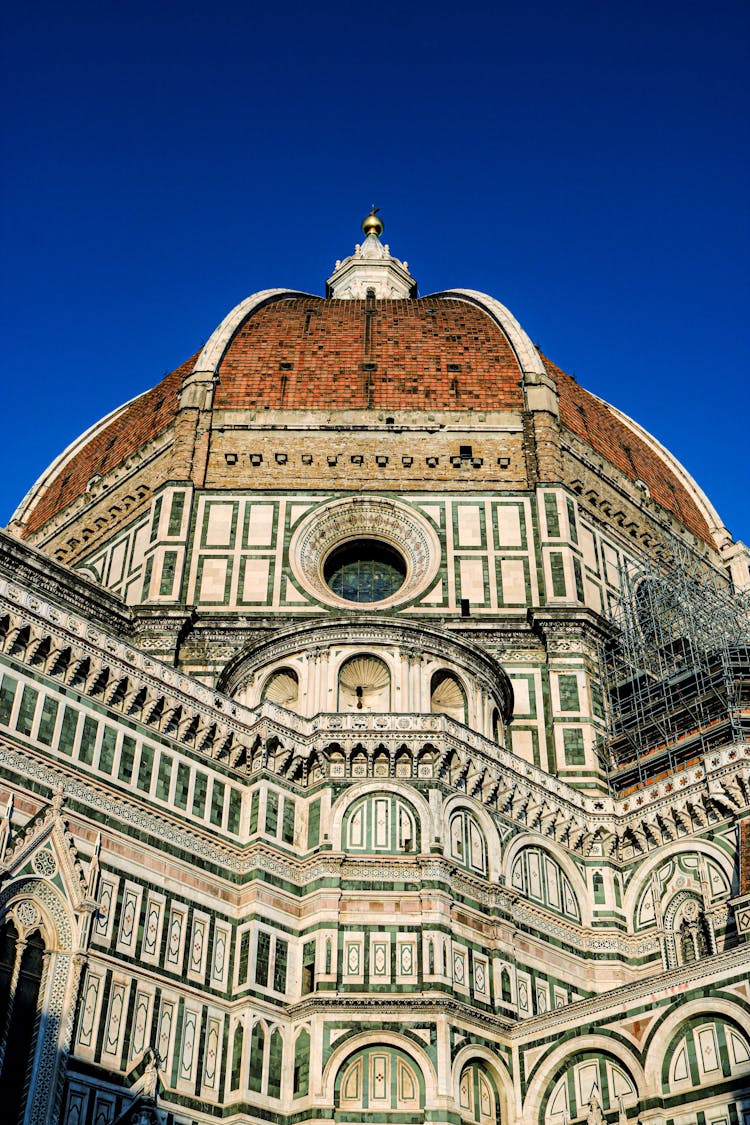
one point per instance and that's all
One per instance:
(153, 921)
(259, 525)
(513, 581)
(220, 959)
(105, 915)
(127, 934)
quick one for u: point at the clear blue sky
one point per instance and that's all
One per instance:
(586, 163)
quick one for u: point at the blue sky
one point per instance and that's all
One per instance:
(586, 163)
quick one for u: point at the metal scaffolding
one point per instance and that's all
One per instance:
(675, 673)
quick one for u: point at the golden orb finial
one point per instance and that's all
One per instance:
(372, 224)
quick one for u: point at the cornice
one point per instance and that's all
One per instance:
(667, 984)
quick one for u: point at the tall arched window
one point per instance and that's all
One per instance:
(235, 1080)
(687, 930)
(364, 685)
(257, 1051)
(20, 1010)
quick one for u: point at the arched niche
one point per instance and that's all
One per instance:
(282, 688)
(447, 696)
(364, 684)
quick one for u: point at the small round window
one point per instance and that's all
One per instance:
(364, 570)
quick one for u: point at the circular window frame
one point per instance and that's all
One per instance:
(346, 553)
(334, 525)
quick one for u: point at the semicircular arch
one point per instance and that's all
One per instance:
(640, 881)
(459, 802)
(394, 1039)
(371, 788)
(549, 1068)
(563, 861)
(474, 1052)
(665, 1033)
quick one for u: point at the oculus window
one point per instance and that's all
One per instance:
(364, 570)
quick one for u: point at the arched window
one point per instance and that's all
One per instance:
(282, 687)
(236, 1073)
(364, 685)
(477, 1098)
(255, 1064)
(467, 843)
(380, 1078)
(20, 1014)
(539, 877)
(687, 930)
(381, 823)
(447, 697)
(275, 1060)
(301, 1064)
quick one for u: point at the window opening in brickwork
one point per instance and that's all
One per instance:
(364, 570)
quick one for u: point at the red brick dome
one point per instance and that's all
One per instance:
(453, 352)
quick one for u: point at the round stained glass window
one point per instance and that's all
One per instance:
(364, 570)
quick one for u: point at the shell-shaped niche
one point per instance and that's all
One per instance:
(447, 696)
(283, 688)
(364, 685)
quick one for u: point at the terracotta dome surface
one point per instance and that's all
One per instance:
(594, 422)
(297, 352)
(109, 444)
(425, 354)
